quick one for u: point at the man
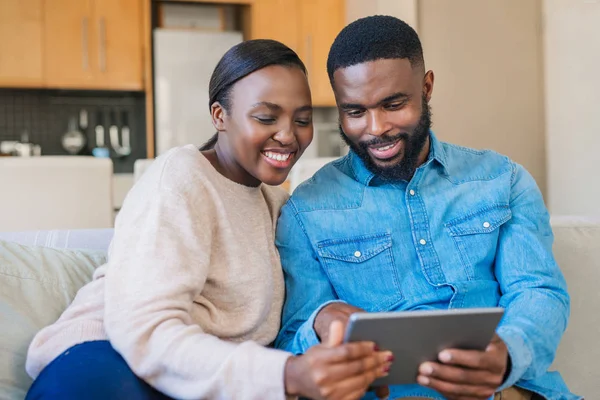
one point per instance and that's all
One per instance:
(406, 222)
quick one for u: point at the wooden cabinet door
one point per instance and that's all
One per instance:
(21, 24)
(277, 20)
(69, 55)
(321, 21)
(118, 26)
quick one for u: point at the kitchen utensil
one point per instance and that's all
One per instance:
(74, 140)
(123, 147)
(83, 119)
(26, 149)
(100, 150)
(125, 134)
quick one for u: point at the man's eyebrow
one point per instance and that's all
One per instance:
(395, 96)
(350, 106)
(271, 106)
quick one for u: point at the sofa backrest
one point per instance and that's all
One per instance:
(577, 250)
(56, 192)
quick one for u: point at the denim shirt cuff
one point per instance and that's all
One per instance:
(519, 352)
(307, 331)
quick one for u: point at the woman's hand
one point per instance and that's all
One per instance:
(335, 370)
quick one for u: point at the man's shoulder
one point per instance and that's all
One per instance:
(468, 164)
(327, 188)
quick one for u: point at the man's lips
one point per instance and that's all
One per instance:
(385, 151)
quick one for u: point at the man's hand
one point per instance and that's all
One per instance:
(340, 312)
(467, 374)
(333, 312)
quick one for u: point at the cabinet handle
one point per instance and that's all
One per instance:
(84, 44)
(102, 47)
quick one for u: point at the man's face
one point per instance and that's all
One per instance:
(385, 115)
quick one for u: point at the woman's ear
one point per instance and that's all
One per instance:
(218, 115)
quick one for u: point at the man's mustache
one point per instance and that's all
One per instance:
(383, 140)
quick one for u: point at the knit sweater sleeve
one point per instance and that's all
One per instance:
(158, 265)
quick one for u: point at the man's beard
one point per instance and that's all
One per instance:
(405, 168)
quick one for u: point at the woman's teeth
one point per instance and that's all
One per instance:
(277, 156)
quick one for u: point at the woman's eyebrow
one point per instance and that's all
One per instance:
(304, 108)
(270, 106)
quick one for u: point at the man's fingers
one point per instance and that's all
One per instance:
(460, 375)
(456, 390)
(336, 334)
(471, 359)
(496, 345)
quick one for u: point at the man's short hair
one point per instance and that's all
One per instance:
(374, 38)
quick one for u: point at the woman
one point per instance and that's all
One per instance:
(193, 288)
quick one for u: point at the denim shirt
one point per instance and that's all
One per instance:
(470, 229)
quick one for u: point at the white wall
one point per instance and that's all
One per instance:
(407, 10)
(572, 67)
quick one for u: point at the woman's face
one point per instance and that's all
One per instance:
(267, 127)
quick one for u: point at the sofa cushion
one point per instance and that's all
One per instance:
(577, 251)
(36, 286)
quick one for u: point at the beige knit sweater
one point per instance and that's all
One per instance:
(193, 287)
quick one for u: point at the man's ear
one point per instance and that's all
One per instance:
(428, 85)
(218, 115)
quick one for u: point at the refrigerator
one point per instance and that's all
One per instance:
(183, 63)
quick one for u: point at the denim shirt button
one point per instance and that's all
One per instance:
(423, 242)
(357, 254)
(486, 224)
(412, 192)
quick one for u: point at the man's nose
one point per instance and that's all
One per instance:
(377, 123)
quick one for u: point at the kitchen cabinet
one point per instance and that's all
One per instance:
(21, 26)
(309, 28)
(276, 19)
(93, 44)
(321, 21)
(69, 57)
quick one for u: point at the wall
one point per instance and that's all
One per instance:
(572, 62)
(407, 10)
(488, 64)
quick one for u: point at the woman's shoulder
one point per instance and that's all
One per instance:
(180, 169)
(275, 196)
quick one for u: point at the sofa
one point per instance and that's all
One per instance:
(40, 273)
(56, 192)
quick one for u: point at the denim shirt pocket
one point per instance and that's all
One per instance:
(475, 236)
(362, 270)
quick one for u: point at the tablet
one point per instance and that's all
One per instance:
(418, 336)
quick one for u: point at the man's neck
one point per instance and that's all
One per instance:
(424, 154)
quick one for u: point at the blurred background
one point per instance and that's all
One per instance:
(91, 90)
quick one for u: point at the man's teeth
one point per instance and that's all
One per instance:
(277, 156)
(384, 148)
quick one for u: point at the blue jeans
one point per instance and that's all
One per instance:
(91, 370)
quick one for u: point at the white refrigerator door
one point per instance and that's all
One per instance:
(183, 64)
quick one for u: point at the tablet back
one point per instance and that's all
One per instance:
(418, 336)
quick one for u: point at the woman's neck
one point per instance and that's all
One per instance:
(227, 166)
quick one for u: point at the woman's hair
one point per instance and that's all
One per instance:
(242, 60)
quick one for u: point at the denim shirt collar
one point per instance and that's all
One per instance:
(363, 175)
